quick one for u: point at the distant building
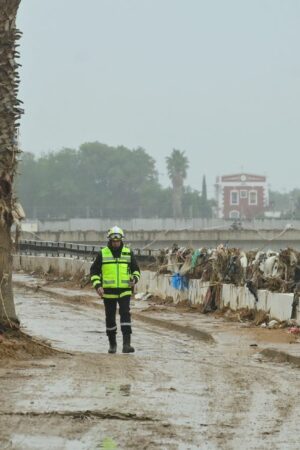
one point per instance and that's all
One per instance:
(241, 196)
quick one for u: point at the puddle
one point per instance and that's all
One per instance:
(39, 442)
(67, 327)
(123, 389)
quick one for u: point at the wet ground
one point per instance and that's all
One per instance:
(180, 390)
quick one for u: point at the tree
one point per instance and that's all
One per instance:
(204, 189)
(177, 165)
(297, 205)
(279, 201)
(116, 179)
(97, 180)
(194, 205)
(205, 208)
(10, 112)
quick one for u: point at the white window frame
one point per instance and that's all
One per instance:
(234, 191)
(249, 197)
(243, 193)
(234, 214)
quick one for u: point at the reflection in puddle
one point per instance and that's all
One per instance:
(44, 442)
(39, 442)
(123, 389)
(108, 444)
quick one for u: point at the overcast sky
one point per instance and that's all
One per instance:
(219, 79)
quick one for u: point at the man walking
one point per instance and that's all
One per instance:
(113, 274)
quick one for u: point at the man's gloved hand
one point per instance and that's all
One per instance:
(133, 281)
(100, 291)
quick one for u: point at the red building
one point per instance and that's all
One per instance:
(241, 196)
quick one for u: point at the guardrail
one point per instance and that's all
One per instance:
(49, 248)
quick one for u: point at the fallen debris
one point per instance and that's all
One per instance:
(143, 296)
(273, 324)
(294, 330)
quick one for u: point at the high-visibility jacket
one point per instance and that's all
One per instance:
(114, 271)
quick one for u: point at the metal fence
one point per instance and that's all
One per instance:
(64, 249)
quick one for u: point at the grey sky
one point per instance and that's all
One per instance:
(219, 79)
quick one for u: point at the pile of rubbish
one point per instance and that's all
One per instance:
(274, 271)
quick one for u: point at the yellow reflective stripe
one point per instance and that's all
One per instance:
(108, 258)
(124, 294)
(95, 277)
(108, 281)
(136, 274)
(123, 259)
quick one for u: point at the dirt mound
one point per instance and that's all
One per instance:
(280, 357)
(15, 345)
(242, 315)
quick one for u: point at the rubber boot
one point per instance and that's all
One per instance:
(127, 348)
(112, 343)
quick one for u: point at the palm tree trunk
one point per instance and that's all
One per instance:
(177, 202)
(9, 114)
(7, 307)
(177, 196)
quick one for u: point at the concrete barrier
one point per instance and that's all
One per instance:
(160, 285)
(197, 291)
(50, 264)
(278, 305)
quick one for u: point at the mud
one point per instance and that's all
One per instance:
(16, 345)
(175, 392)
(280, 357)
(189, 331)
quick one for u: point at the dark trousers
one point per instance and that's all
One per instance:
(110, 315)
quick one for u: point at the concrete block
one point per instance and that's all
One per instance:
(280, 305)
(197, 291)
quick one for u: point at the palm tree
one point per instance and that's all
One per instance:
(177, 165)
(10, 112)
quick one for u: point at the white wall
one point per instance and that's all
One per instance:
(156, 224)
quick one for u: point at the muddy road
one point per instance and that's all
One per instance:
(180, 390)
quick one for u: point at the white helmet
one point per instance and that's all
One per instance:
(115, 233)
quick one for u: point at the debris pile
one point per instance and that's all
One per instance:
(274, 271)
